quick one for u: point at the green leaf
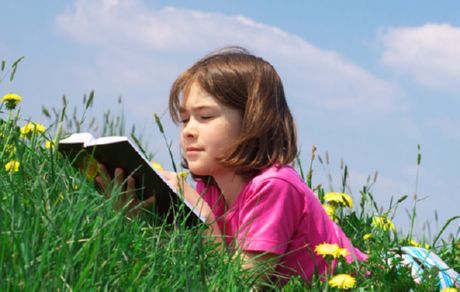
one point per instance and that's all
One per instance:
(15, 64)
(89, 103)
(14, 68)
(160, 126)
(13, 72)
(419, 155)
(46, 112)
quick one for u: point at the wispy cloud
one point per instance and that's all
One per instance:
(317, 78)
(430, 54)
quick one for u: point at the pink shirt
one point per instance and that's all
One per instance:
(276, 212)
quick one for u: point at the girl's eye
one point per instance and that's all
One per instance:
(206, 117)
(184, 121)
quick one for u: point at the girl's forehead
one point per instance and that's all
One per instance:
(197, 97)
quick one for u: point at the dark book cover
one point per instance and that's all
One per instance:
(115, 152)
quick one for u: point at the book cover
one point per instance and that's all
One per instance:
(119, 151)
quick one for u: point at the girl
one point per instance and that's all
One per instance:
(238, 140)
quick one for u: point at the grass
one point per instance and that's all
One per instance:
(58, 233)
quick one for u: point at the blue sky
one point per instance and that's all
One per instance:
(367, 82)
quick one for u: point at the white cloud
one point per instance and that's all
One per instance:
(320, 79)
(429, 53)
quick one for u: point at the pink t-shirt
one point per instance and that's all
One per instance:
(276, 212)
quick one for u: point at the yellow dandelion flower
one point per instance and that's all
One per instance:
(31, 128)
(330, 210)
(367, 236)
(342, 281)
(27, 128)
(383, 222)
(343, 252)
(12, 166)
(427, 246)
(39, 128)
(183, 174)
(338, 199)
(449, 290)
(11, 100)
(330, 250)
(414, 243)
(156, 165)
(49, 144)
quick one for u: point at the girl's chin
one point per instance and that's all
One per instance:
(199, 171)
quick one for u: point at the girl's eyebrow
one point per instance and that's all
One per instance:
(199, 107)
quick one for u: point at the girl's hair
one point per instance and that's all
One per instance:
(250, 84)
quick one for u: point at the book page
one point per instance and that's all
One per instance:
(81, 138)
(106, 140)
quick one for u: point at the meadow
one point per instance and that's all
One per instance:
(57, 232)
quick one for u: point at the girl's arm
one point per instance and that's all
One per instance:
(194, 199)
(261, 263)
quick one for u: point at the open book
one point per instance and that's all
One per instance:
(118, 151)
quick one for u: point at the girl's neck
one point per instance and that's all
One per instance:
(231, 185)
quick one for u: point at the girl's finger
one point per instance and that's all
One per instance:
(102, 171)
(101, 183)
(148, 202)
(130, 185)
(119, 176)
(130, 194)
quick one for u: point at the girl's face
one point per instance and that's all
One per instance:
(208, 129)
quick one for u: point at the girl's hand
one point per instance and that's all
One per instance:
(128, 198)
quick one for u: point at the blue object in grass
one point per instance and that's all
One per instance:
(418, 259)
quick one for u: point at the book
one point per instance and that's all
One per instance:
(84, 151)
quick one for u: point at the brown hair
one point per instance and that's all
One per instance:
(250, 84)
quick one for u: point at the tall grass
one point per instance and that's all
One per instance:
(57, 232)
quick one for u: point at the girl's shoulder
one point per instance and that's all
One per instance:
(281, 172)
(280, 175)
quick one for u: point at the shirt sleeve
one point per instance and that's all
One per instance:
(269, 216)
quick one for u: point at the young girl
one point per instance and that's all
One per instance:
(238, 140)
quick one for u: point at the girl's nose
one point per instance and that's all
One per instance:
(189, 130)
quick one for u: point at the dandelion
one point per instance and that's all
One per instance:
(31, 128)
(49, 144)
(333, 250)
(11, 100)
(414, 243)
(12, 166)
(338, 199)
(183, 174)
(382, 222)
(449, 290)
(367, 236)
(342, 281)
(330, 210)
(156, 165)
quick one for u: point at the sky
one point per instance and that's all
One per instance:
(366, 81)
